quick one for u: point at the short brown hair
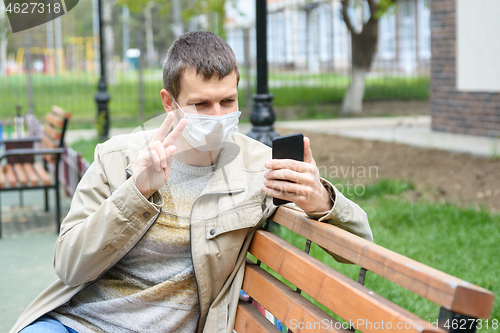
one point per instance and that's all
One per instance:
(203, 51)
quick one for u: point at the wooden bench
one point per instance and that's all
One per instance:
(19, 171)
(462, 303)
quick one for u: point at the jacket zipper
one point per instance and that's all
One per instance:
(191, 241)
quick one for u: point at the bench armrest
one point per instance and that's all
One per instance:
(13, 152)
(22, 140)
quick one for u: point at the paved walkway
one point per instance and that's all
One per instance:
(26, 249)
(413, 131)
(29, 233)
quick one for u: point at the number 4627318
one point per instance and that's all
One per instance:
(469, 323)
(33, 7)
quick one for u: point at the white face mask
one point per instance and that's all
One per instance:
(204, 132)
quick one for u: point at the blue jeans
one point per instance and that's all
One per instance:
(46, 324)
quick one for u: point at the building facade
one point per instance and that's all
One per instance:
(465, 71)
(311, 36)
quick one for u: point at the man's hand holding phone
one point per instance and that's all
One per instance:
(297, 181)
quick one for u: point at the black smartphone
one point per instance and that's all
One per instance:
(288, 147)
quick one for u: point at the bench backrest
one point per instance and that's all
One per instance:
(54, 130)
(345, 297)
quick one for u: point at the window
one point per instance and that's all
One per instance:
(387, 36)
(339, 33)
(424, 30)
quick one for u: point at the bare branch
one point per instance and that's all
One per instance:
(345, 16)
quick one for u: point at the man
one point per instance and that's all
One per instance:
(157, 233)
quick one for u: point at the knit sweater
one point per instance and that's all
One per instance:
(153, 287)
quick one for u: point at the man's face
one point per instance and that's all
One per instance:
(212, 97)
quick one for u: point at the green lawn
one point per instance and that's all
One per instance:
(75, 92)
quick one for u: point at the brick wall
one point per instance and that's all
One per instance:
(451, 110)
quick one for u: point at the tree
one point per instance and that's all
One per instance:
(3, 40)
(145, 7)
(109, 39)
(148, 20)
(215, 10)
(364, 44)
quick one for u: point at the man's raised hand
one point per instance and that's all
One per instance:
(154, 163)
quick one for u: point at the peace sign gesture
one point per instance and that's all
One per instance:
(154, 163)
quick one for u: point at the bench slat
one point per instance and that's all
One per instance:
(351, 300)
(288, 306)
(60, 112)
(42, 173)
(51, 132)
(2, 176)
(11, 176)
(54, 120)
(448, 291)
(21, 175)
(48, 143)
(32, 176)
(249, 320)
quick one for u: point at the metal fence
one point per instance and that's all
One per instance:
(309, 53)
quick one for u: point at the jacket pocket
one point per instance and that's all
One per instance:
(246, 216)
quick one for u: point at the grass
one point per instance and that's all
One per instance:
(376, 88)
(462, 242)
(86, 147)
(75, 92)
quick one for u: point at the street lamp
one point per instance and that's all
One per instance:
(262, 116)
(102, 96)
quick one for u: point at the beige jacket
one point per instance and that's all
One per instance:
(108, 216)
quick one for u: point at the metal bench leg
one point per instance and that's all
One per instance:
(46, 189)
(454, 322)
(361, 281)
(46, 199)
(58, 207)
(0, 216)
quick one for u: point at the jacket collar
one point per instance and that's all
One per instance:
(228, 175)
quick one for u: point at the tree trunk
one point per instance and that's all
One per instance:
(109, 40)
(148, 20)
(364, 45)
(352, 102)
(177, 26)
(3, 41)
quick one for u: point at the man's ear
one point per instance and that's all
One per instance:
(167, 100)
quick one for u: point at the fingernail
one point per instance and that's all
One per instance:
(266, 173)
(266, 181)
(267, 164)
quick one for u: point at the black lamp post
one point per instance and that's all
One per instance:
(262, 116)
(102, 96)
